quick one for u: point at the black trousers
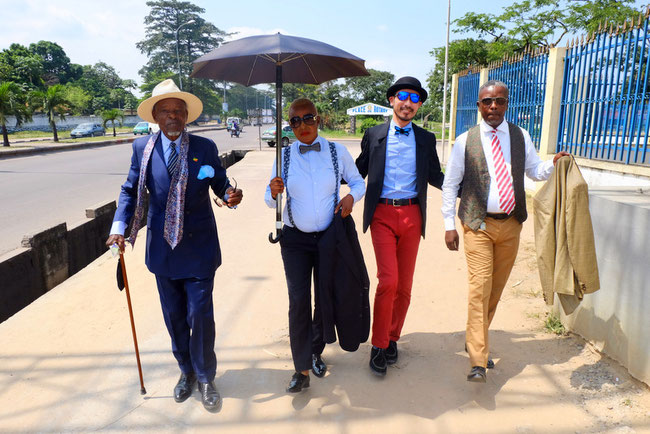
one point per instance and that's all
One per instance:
(300, 256)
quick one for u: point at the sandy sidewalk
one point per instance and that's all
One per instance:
(66, 361)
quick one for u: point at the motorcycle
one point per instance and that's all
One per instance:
(234, 131)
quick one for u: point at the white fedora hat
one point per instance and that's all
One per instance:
(168, 89)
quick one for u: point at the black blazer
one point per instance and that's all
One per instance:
(343, 285)
(372, 162)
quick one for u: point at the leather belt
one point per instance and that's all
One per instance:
(501, 216)
(399, 202)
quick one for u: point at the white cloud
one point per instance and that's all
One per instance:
(382, 28)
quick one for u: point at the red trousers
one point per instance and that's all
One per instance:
(395, 235)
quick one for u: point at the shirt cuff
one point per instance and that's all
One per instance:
(118, 228)
(450, 223)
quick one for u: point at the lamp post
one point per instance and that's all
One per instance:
(178, 60)
(444, 86)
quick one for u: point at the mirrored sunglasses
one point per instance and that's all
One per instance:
(501, 101)
(308, 119)
(402, 95)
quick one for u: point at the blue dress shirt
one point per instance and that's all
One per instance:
(399, 172)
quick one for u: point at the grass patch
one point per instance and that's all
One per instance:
(30, 134)
(554, 325)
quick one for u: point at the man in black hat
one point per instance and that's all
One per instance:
(400, 159)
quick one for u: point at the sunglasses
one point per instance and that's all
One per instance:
(308, 119)
(501, 101)
(402, 95)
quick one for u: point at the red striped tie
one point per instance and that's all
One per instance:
(504, 180)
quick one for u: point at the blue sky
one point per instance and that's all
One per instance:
(388, 38)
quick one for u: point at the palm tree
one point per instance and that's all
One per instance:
(113, 115)
(11, 105)
(54, 103)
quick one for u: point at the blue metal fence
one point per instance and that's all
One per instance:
(605, 96)
(466, 110)
(525, 76)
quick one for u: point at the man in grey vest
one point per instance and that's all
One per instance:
(490, 161)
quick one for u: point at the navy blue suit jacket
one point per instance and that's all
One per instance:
(198, 254)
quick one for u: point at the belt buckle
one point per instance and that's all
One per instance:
(395, 202)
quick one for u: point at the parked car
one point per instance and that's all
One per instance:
(141, 128)
(145, 128)
(287, 136)
(87, 129)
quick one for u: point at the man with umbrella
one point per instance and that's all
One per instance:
(399, 159)
(312, 170)
(178, 169)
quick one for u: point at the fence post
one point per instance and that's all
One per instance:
(482, 79)
(453, 112)
(552, 102)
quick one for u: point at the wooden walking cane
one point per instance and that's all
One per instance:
(135, 338)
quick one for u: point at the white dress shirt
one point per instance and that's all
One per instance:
(311, 185)
(534, 167)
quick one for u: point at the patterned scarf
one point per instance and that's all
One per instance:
(174, 211)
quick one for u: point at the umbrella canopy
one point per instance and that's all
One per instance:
(277, 59)
(253, 60)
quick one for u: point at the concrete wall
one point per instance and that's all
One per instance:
(39, 122)
(617, 317)
(49, 257)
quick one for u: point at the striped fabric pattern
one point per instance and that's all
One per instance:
(504, 179)
(173, 159)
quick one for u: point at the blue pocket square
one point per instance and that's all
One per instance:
(206, 172)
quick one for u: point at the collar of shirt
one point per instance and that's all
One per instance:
(502, 128)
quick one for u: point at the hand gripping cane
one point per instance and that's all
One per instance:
(135, 338)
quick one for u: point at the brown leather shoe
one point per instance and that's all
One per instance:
(210, 396)
(183, 389)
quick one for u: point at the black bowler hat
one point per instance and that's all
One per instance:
(407, 83)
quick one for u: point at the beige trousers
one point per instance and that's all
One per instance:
(490, 254)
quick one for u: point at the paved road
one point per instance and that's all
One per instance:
(43, 190)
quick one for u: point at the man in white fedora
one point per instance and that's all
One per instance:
(177, 169)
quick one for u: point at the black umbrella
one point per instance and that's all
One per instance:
(281, 59)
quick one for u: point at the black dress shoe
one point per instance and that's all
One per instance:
(490, 362)
(183, 389)
(210, 396)
(391, 353)
(378, 364)
(318, 367)
(477, 375)
(298, 382)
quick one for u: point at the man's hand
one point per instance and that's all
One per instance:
(235, 196)
(345, 205)
(116, 239)
(451, 239)
(277, 186)
(559, 155)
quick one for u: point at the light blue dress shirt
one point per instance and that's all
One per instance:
(311, 185)
(399, 172)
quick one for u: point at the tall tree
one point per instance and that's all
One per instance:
(113, 115)
(370, 88)
(21, 66)
(54, 104)
(173, 25)
(56, 64)
(11, 104)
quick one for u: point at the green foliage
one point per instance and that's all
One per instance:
(113, 115)
(21, 66)
(80, 101)
(53, 103)
(554, 325)
(369, 122)
(12, 104)
(56, 64)
(370, 88)
(164, 35)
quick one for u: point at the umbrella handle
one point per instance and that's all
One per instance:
(277, 237)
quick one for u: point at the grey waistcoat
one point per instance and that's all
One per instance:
(476, 181)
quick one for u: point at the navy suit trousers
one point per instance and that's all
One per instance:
(300, 257)
(189, 316)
